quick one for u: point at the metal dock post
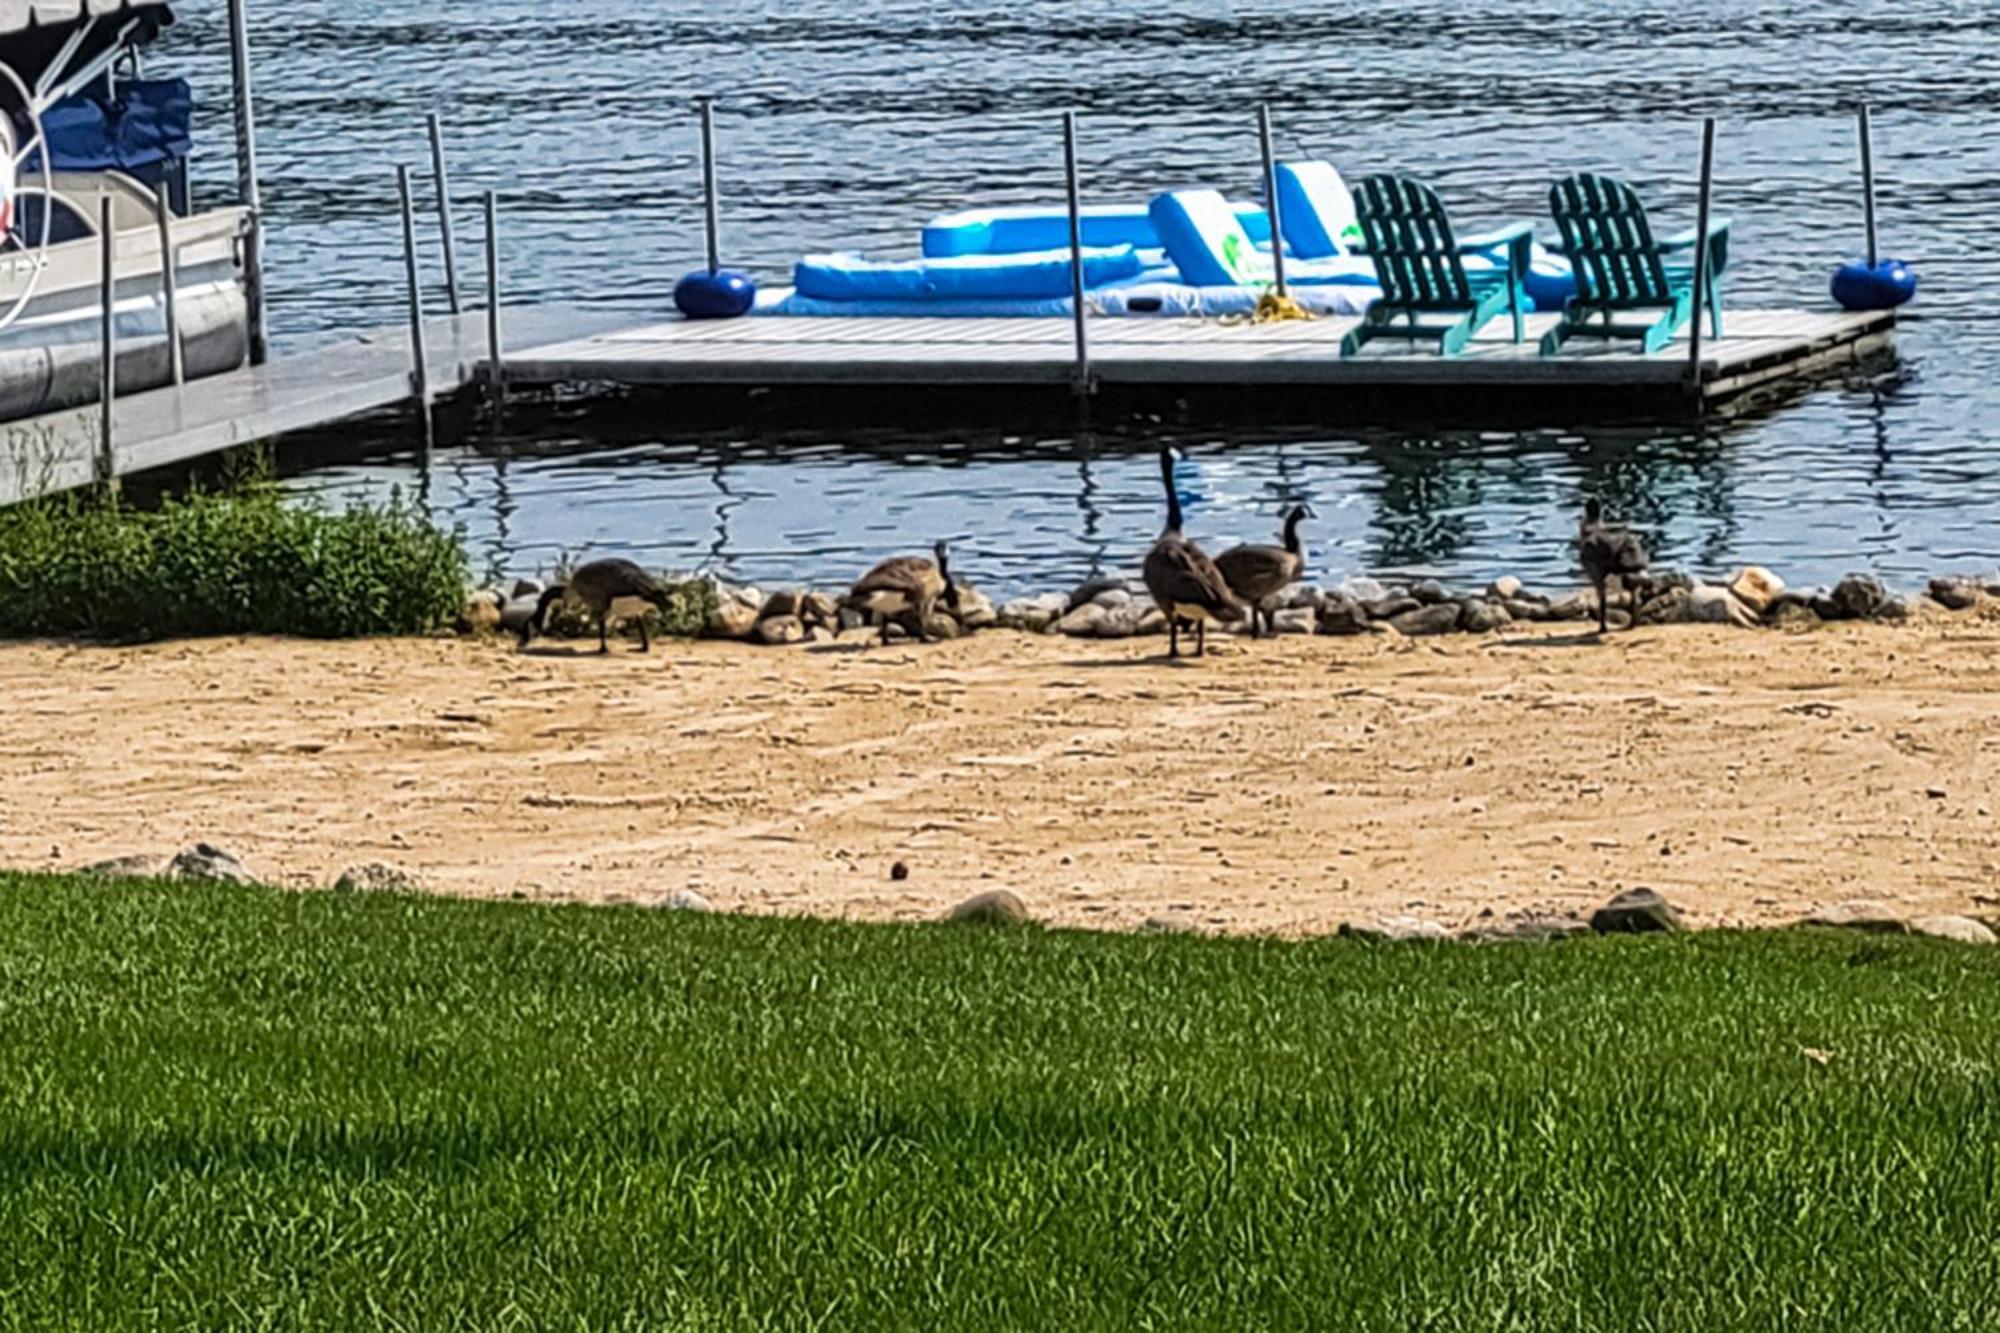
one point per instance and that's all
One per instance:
(1868, 183)
(420, 380)
(1701, 253)
(107, 299)
(496, 361)
(170, 285)
(1271, 197)
(444, 214)
(247, 192)
(710, 204)
(1080, 381)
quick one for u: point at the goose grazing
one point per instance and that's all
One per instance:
(1257, 573)
(1606, 549)
(598, 586)
(906, 587)
(1186, 585)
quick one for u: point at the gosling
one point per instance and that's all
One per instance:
(1186, 585)
(598, 585)
(1258, 573)
(1605, 549)
(904, 588)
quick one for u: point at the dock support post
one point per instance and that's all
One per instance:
(247, 192)
(1701, 255)
(107, 300)
(1868, 182)
(1271, 197)
(496, 362)
(711, 206)
(1080, 373)
(420, 379)
(444, 214)
(170, 284)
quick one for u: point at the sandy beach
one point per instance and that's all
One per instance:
(1286, 786)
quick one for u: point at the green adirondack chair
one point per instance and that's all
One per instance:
(1621, 270)
(1423, 272)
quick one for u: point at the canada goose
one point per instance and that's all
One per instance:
(905, 587)
(1606, 549)
(598, 585)
(1185, 583)
(1256, 573)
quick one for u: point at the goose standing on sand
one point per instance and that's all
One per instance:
(905, 586)
(1257, 573)
(1606, 549)
(1186, 585)
(599, 586)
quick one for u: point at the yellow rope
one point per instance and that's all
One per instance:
(1275, 309)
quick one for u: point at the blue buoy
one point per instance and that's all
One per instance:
(721, 294)
(1880, 286)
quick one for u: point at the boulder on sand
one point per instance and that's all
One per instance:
(1635, 912)
(996, 907)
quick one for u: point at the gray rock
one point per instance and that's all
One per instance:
(1430, 592)
(1710, 605)
(778, 630)
(784, 602)
(376, 877)
(1479, 616)
(1362, 589)
(749, 595)
(1894, 608)
(514, 616)
(852, 618)
(1793, 616)
(893, 632)
(1152, 621)
(1527, 930)
(730, 619)
(1864, 914)
(1955, 593)
(124, 867)
(819, 609)
(209, 863)
(1960, 928)
(1299, 595)
(1575, 606)
(1860, 597)
(1520, 608)
(1388, 608)
(1397, 929)
(1672, 607)
(1112, 599)
(1506, 588)
(483, 612)
(1295, 620)
(1757, 587)
(1089, 590)
(1659, 581)
(1341, 614)
(997, 907)
(1034, 614)
(975, 608)
(1440, 619)
(684, 900)
(1083, 622)
(1168, 924)
(1635, 912)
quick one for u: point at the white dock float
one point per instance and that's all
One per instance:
(771, 352)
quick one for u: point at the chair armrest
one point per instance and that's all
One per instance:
(1512, 234)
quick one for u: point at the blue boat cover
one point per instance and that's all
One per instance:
(148, 123)
(1037, 275)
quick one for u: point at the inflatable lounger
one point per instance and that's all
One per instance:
(1210, 248)
(1039, 275)
(992, 231)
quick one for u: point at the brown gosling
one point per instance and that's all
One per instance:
(1258, 573)
(904, 589)
(1186, 585)
(1606, 549)
(598, 585)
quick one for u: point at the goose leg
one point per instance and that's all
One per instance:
(1173, 637)
(645, 638)
(1201, 636)
(604, 633)
(1603, 611)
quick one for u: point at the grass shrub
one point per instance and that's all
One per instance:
(237, 562)
(260, 1109)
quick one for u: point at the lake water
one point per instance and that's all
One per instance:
(847, 125)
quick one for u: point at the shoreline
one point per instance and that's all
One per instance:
(1289, 786)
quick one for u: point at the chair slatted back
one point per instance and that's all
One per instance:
(1610, 242)
(1409, 238)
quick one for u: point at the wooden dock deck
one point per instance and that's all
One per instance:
(1761, 347)
(884, 366)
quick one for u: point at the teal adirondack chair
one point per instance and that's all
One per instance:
(1423, 269)
(1621, 270)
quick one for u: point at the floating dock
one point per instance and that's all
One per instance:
(886, 368)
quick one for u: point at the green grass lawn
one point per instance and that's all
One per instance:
(233, 1108)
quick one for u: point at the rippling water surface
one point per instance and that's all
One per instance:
(850, 123)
